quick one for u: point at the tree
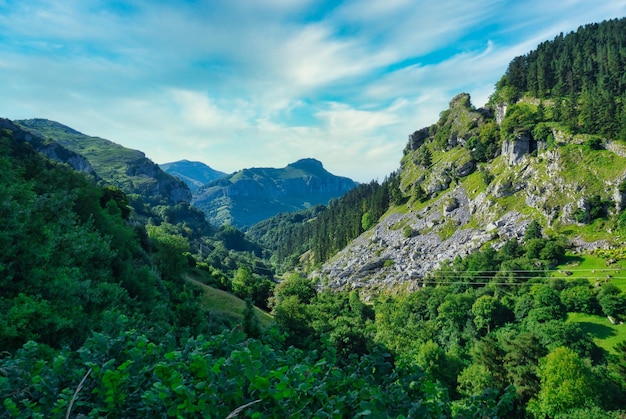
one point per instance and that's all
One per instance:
(250, 323)
(566, 383)
(485, 310)
(292, 316)
(533, 231)
(614, 305)
(170, 248)
(475, 379)
(294, 285)
(366, 221)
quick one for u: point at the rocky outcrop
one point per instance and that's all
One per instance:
(385, 258)
(130, 170)
(194, 174)
(515, 149)
(417, 139)
(550, 186)
(500, 112)
(49, 148)
(154, 181)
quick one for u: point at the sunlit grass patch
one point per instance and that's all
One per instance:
(605, 334)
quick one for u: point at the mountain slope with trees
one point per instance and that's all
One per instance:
(124, 168)
(251, 195)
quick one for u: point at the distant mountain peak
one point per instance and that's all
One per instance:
(310, 165)
(307, 163)
(254, 194)
(194, 173)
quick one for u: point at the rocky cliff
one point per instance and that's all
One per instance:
(50, 148)
(114, 164)
(194, 174)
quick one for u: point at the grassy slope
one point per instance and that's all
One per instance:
(107, 158)
(225, 303)
(605, 334)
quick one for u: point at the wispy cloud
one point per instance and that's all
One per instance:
(238, 83)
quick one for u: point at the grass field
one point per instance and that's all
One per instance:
(595, 269)
(605, 334)
(222, 302)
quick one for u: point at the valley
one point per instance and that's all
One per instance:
(482, 278)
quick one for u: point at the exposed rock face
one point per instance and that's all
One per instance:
(194, 174)
(157, 181)
(384, 257)
(114, 164)
(417, 139)
(500, 112)
(514, 150)
(520, 185)
(49, 148)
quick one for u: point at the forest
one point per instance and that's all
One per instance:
(103, 310)
(581, 75)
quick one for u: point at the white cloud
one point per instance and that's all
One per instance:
(239, 83)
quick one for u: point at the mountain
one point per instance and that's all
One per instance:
(48, 147)
(251, 195)
(548, 149)
(194, 174)
(116, 165)
(456, 204)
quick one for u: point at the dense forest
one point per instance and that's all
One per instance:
(324, 230)
(581, 75)
(103, 310)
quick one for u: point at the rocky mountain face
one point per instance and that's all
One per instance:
(50, 148)
(114, 164)
(251, 195)
(458, 202)
(194, 174)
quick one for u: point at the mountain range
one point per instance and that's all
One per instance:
(251, 195)
(195, 174)
(508, 222)
(240, 199)
(129, 170)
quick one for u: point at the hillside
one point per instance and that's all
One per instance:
(251, 195)
(119, 166)
(194, 174)
(461, 197)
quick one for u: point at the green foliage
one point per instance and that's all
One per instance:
(325, 232)
(250, 324)
(424, 157)
(566, 383)
(366, 221)
(170, 248)
(520, 118)
(128, 376)
(594, 207)
(247, 285)
(486, 145)
(533, 231)
(581, 73)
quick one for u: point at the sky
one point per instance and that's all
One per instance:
(263, 83)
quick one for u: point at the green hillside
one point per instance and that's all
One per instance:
(194, 174)
(252, 195)
(119, 166)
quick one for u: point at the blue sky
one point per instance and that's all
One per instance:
(245, 83)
